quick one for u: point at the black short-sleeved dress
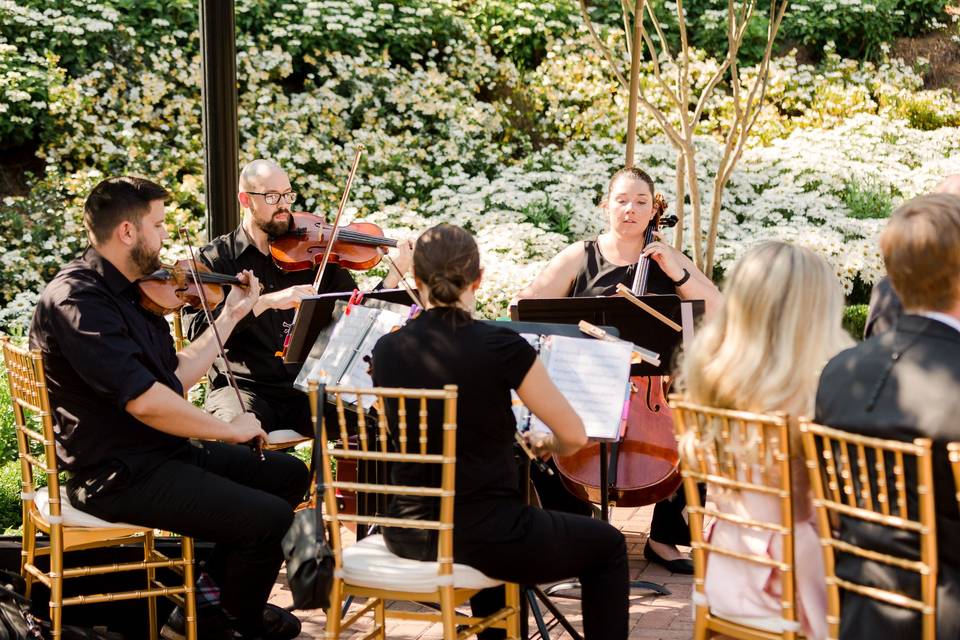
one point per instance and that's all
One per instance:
(494, 531)
(599, 277)
(440, 347)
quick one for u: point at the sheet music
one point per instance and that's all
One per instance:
(592, 375)
(347, 333)
(357, 373)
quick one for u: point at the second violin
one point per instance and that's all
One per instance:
(356, 246)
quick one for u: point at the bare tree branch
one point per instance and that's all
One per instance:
(602, 45)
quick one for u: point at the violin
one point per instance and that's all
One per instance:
(643, 467)
(356, 245)
(172, 286)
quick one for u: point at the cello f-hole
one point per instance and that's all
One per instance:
(650, 405)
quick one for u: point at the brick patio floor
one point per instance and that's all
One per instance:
(667, 617)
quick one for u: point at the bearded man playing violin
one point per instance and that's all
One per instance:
(265, 381)
(135, 449)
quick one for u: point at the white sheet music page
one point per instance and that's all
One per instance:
(344, 340)
(592, 375)
(358, 373)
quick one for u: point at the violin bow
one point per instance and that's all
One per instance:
(336, 221)
(195, 274)
(414, 295)
(326, 254)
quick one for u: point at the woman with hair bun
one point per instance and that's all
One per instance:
(595, 268)
(494, 530)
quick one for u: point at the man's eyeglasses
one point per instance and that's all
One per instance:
(272, 197)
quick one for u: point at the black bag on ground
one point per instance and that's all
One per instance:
(17, 623)
(308, 556)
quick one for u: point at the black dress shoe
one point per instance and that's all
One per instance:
(681, 565)
(279, 624)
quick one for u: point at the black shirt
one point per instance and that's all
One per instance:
(485, 362)
(101, 349)
(600, 277)
(252, 347)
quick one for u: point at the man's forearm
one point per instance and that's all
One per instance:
(195, 359)
(161, 408)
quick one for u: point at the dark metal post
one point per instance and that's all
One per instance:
(221, 160)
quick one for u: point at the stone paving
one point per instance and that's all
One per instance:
(667, 617)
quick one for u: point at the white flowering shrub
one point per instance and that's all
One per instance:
(509, 134)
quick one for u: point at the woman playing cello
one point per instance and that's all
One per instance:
(595, 268)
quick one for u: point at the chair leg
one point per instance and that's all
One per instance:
(448, 613)
(513, 601)
(189, 585)
(56, 597)
(332, 628)
(28, 553)
(151, 575)
(380, 619)
(700, 623)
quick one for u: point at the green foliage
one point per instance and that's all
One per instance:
(869, 198)
(926, 112)
(26, 82)
(859, 29)
(706, 23)
(11, 508)
(855, 320)
(8, 428)
(548, 215)
(520, 31)
(920, 15)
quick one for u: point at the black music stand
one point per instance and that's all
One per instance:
(635, 325)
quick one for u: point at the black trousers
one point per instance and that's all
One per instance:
(547, 546)
(276, 409)
(221, 493)
(668, 524)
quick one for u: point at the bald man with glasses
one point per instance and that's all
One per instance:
(266, 382)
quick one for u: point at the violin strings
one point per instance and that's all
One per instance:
(363, 238)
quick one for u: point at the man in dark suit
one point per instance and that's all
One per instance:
(885, 305)
(904, 384)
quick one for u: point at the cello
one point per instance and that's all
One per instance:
(643, 467)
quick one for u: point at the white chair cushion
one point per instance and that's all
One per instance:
(773, 624)
(370, 564)
(281, 437)
(73, 517)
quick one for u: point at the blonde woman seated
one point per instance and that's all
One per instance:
(778, 325)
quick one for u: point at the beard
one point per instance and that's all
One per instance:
(145, 261)
(276, 228)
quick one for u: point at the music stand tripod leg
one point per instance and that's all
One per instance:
(657, 588)
(534, 592)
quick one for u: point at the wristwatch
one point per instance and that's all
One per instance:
(683, 279)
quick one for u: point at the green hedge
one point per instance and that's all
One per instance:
(855, 320)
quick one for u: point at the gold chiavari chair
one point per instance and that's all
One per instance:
(367, 569)
(953, 452)
(47, 510)
(738, 453)
(277, 439)
(875, 481)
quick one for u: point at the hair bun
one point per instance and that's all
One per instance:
(659, 204)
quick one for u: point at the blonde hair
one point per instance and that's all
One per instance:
(763, 351)
(921, 250)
